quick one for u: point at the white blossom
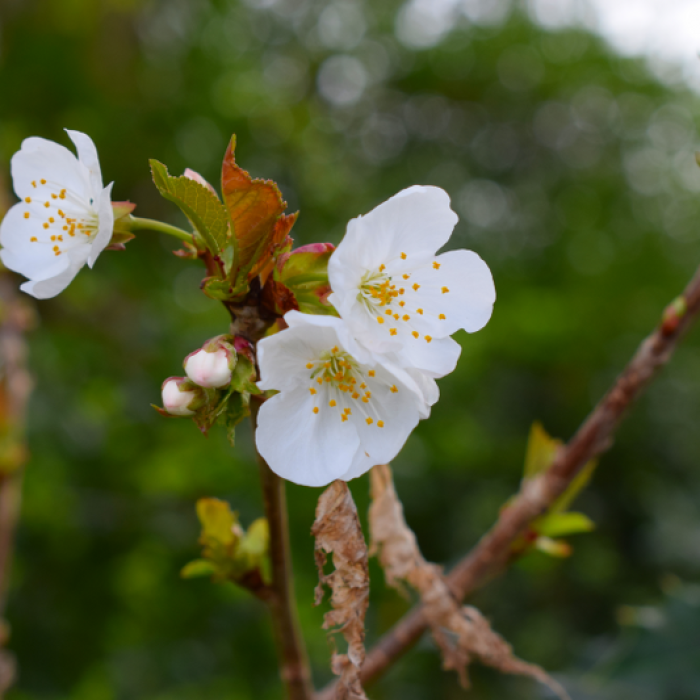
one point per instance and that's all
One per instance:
(64, 219)
(397, 295)
(180, 397)
(209, 369)
(340, 410)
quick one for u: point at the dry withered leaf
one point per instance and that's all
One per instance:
(461, 632)
(337, 531)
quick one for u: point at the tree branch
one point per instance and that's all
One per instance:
(493, 552)
(294, 663)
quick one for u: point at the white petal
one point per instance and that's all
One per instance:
(303, 447)
(416, 221)
(51, 286)
(428, 387)
(19, 253)
(468, 301)
(361, 464)
(40, 159)
(87, 154)
(283, 357)
(105, 215)
(436, 359)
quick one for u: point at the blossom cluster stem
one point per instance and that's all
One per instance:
(493, 552)
(139, 224)
(294, 663)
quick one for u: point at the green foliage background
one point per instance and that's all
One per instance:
(573, 173)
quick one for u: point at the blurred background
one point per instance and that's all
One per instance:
(570, 161)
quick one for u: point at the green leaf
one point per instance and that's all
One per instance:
(201, 206)
(218, 522)
(555, 548)
(243, 376)
(560, 524)
(541, 450)
(238, 409)
(577, 484)
(198, 567)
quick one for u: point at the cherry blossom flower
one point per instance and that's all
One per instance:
(211, 365)
(339, 411)
(65, 218)
(181, 397)
(397, 295)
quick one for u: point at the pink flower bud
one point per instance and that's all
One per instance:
(209, 368)
(180, 396)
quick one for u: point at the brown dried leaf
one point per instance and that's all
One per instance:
(461, 633)
(337, 530)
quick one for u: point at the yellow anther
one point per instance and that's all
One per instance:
(396, 317)
(380, 319)
(26, 214)
(33, 183)
(309, 365)
(319, 380)
(33, 239)
(43, 182)
(343, 417)
(406, 276)
(403, 256)
(332, 403)
(353, 380)
(53, 238)
(46, 225)
(402, 290)
(47, 204)
(380, 424)
(368, 394)
(338, 376)
(53, 196)
(369, 420)
(442, 317)
(61, 214)
(28, 200)
(388, 312)
(436, 265)
(347, 411)
(445, 290)
(382, 268)
(335, 348)
(327, 365)
(406, 317)
(365, 399)
(363, 386)
(416, 287)
(419, 311)
(415, 334)
(312, 391)
(326, 379)
(60, 238)
(315, 409)
(343, 387)
(393, 389)
(55, 247)
(371, 373)
(355, 396)
(58, 252)
(402, 303)
(62, 194)
(80, 226)
(51, 219)
(428, 338)
(392, 331)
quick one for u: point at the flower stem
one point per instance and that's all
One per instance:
(294, 663)
(138, 224)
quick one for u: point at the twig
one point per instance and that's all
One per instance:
(491, 555)
(294, 664)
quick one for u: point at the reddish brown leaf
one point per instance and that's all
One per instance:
(461, 633)
(337, 530)
(255, 208)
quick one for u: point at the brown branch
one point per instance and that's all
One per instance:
(294, 663)
(493, 552)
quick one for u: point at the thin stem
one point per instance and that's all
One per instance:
(493, 552)
(294, 663)
(138, 224)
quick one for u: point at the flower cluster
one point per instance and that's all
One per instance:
(351, 389)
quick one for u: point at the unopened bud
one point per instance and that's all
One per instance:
(180, 396)
(211, 366)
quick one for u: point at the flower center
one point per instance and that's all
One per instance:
(338, 380)
(65, 218)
